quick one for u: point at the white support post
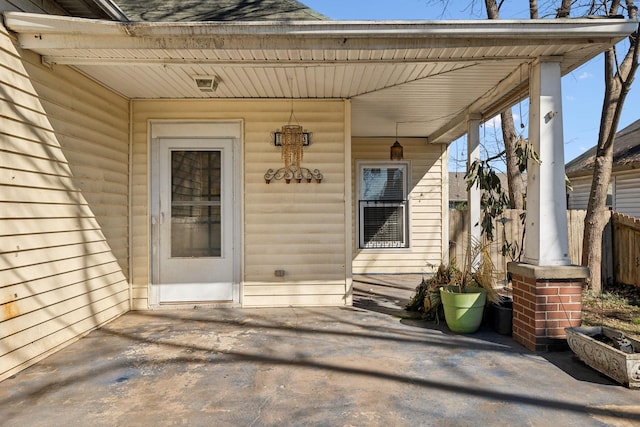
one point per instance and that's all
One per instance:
(547, 242)
(473, 195)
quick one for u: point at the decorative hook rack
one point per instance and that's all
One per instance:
(293, 173)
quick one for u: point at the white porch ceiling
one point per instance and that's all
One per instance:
(425, 76)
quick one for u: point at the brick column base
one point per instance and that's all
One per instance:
(545, 301)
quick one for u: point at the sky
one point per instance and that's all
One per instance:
(582, 89)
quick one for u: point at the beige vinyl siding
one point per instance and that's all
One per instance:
(63, 207)
(299, 228)
(626, 197)
(426, 211)
(627, 192)
(579, 196)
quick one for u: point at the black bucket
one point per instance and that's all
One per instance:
(501, 316)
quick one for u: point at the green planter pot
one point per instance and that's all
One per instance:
(463, 311)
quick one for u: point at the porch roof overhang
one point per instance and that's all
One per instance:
(427, 76)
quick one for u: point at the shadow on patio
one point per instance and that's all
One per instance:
(370, 364)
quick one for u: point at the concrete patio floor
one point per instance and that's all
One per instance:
(367, 365)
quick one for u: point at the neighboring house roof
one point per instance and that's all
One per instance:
(220, 10)
(458, 185)
(626, 153)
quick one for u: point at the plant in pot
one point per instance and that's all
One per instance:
(465, 296)
(461, 292)
(469, 289)
(474, 283)
(427, 296)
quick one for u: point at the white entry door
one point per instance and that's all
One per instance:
(195, 259)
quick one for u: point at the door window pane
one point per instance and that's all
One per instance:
(195, 204)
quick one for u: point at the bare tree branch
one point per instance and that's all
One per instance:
(515, 183)
(618, 80)
(533, 9)
(564, 10)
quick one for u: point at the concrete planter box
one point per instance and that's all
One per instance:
(618, 365)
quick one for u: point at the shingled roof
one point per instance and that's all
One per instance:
(458, 185)
(219, 10)
(626, 153)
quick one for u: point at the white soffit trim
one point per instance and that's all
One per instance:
(427, 75)
(41, 31)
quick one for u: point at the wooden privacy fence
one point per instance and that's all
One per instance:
(626, 249)
(510, 228)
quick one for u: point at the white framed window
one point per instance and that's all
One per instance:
(383, 214)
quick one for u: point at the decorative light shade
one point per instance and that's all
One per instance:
(292, 153)
(396, 151)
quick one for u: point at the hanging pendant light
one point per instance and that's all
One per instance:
(396, 151)
(292, 152)
(292, 138)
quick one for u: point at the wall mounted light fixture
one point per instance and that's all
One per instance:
(292, 138)
(277, 138)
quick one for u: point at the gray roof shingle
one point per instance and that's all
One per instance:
(626, 152)
(217, 10)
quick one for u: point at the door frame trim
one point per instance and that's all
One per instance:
(229, 129)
